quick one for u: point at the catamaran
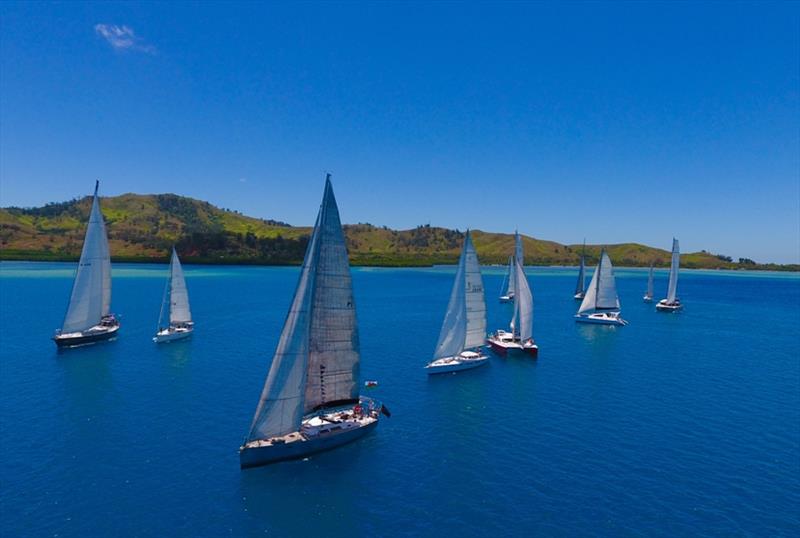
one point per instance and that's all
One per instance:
(672, 303)
(180, 316)
(580, 290)
(89, 318)
(310, 401)
(464, 326)
(520, 338)
(601, 304)
(508, 296)
(648, 296)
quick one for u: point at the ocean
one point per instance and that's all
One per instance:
(675, 425)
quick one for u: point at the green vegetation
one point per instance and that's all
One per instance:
(143, 228)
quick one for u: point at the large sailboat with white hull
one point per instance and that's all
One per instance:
(672, 303)
(509, 283)
(648, 295)
(89, 318)
(601, 304)
(464, 327)
(310, 401)
(520, 338)
(180, 324)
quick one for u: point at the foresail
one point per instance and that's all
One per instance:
(525, 304)
(454, 327)
(606, 287)
(333, 362)
(672, 289)
(587, 305)
(91, 290)
(179, 311)
(475, 300)
(280, 408)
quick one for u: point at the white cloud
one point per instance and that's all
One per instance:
(123, 38)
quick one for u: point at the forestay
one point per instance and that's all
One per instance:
(179, 311)
(91, 291)
(672, 289)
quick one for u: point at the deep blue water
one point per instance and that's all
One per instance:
(675, 425)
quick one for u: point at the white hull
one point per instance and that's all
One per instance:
(578, 296)
(454, 364)
(506, 298)
(503, 343)
(601, 318)
(172, 334)
(647, 299)
(664, 306)
(317, 434)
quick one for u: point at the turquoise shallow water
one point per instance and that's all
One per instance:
(675, 425)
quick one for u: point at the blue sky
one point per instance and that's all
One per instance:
(614, 122)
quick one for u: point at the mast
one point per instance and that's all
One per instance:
(164, 297)
(581, 271)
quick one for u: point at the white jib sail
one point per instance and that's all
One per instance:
(650, 282)
(518, 254)
(524, 302)
(91, 292)
(672, 289)
(588, 303)
(510, 277)
(179, 311)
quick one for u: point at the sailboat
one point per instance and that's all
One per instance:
(580, 290)
(89, 318)
(310, 401)
(180, 316)
(508, 296)
(601, 304)
(464, 326)
(648, 296)
(672, 303)
(520, 338)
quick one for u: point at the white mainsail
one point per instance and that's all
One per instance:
(523, 305)
(91, 291)
(464, 324)
(601, 294)
(650, 282)
(317, 358)
(672, 289)
(518, 254)
(179, 311)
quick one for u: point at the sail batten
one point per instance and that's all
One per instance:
(672, 289)
(90, 299)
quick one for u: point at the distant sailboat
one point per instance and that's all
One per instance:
(520, 339)
(508, 296)
(601, 304)
(464, 327)
(310, 401)
(89, 318)
(580, 290)
(672, 303)
(180, 316)
(648, 296)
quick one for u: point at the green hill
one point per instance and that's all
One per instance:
(144, 227)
